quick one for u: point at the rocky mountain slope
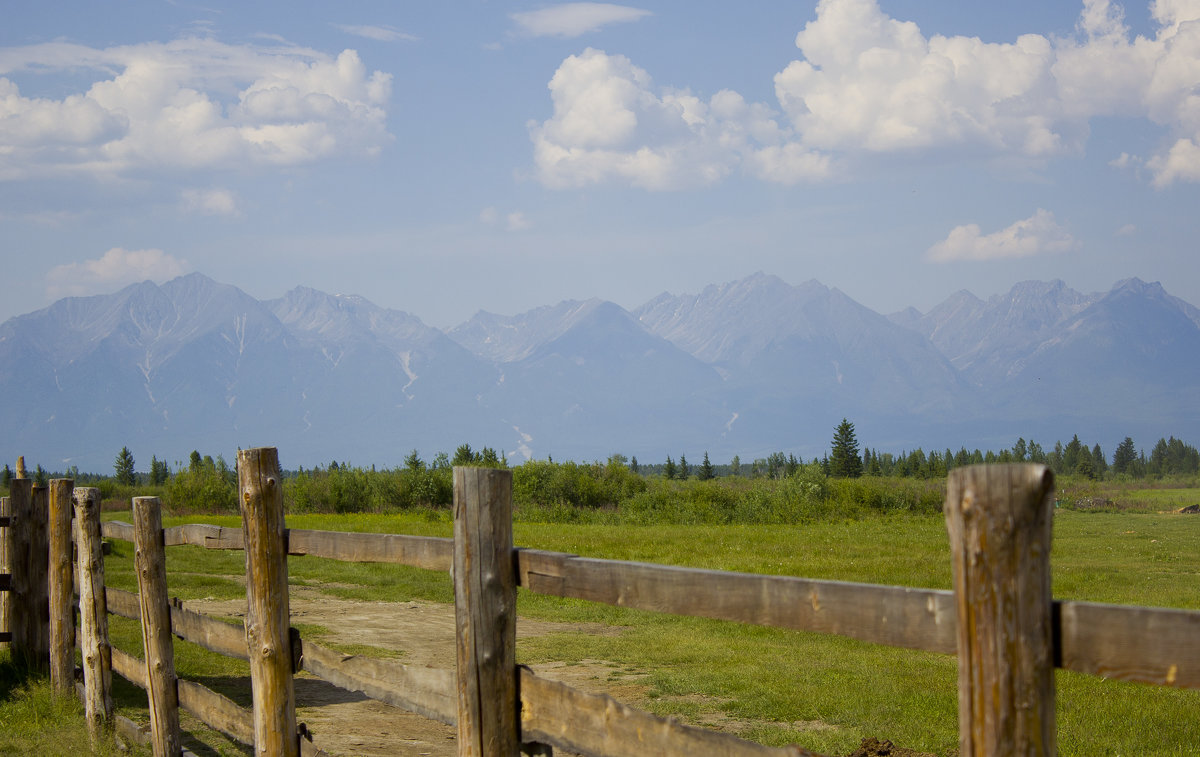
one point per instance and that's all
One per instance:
(746, 367)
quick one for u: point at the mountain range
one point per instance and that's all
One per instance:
(747, 367)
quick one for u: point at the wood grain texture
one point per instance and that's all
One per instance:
(20, 492)
(93, 610)
(62, 587)
(485, 605)
(267, 612)
(893, 615)
(203, 535)
(1146, 644)
(429, 692)
(999, 519)
(217, 711)
(116, 529)
(39, 584)
(430, 552)
(6, 551)
(599, 726)
(129, 667)
(150, 564)
(212, 634)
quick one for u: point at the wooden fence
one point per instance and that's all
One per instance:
(1000, 620)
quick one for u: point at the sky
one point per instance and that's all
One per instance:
(445, 158)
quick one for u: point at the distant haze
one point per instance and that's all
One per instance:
(743, 368)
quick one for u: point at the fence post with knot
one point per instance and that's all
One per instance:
(999, 518)
(260, 491)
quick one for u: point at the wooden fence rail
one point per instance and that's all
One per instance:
(1000, 619)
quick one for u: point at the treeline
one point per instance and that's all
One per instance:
(778, 488)
(1168, 457)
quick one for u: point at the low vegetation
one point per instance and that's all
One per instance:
(1118, 538)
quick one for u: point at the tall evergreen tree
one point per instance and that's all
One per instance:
(464, 455)
(413, 462)
(159, 472)
(1099, 464)
(1124, 456)
(669, 468)
(685, 470)
(123, 466)
(706, 472)
(1019, 450)
(843, 459)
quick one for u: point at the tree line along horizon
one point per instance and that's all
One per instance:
(1168, 457)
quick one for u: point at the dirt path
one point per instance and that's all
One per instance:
(348, 723)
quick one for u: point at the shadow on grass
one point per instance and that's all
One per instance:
(14, 675)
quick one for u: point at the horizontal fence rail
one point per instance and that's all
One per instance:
(1150, 645)
(1092, 638)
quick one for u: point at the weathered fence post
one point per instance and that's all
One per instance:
(150, 559)
(999, 519)
(62, 588)
(485, 611)
(39, 570)
(6, 550)
(21, 599)
(93, 612)
(267, 612)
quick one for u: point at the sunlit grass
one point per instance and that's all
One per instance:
(823, 692)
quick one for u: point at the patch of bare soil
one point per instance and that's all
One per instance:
(348, 723)
(423, 634)
(872, 747)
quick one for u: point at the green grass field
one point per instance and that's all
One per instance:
(824, 693)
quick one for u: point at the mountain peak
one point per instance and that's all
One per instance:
(1140, 288)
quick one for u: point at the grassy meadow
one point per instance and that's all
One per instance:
(824, 693)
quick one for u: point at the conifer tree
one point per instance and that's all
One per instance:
(844, 460)
(123, 466)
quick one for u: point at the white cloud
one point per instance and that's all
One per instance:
(868, 84)
(517, 221)
(116, 268)
(1037, 235)
(377, 33)
(188, 104)
(871, 83)
(610, 122)
(575, 19)
(213, 202)
(1127, 230)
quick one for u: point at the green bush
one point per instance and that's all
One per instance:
(539, 483)
(354, 490)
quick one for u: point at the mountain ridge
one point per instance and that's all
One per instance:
(745, 367)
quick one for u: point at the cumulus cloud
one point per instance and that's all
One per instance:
(611, 122)
(377, 33)
(1037, 235)
(188, 104)
(868, 84)
(114, 269)
(517, 221)
(213, 202)
(574, 19)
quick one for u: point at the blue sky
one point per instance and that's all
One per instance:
(442, 158)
